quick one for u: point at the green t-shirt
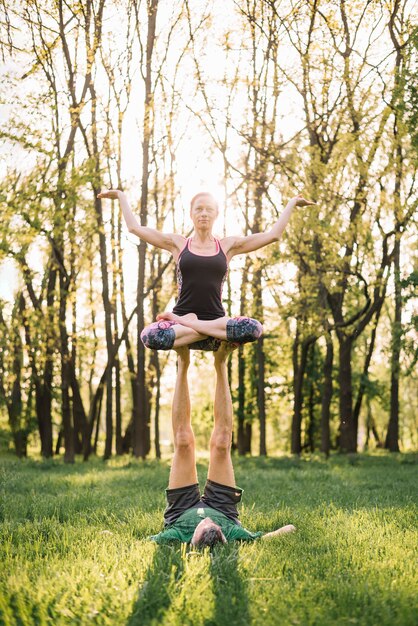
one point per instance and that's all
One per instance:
(184, 527)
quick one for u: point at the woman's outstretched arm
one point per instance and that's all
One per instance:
(167, 241)
(242, 245)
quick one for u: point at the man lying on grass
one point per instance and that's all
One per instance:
(211, 518)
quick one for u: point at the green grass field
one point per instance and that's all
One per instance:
(74, 546)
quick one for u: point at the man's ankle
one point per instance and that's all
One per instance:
(220, 366)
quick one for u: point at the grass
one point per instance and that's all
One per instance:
(74, 546)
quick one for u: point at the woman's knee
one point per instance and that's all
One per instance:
(159, 335)
(243, 330)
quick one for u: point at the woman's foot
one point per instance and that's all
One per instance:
(178, 319)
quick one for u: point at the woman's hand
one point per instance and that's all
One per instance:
(299, 200)
(113, 194)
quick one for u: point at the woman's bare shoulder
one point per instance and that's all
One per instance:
(227, 243)
(179, 241)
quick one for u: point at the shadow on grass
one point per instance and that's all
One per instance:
(167, 581)
(229, 587)
(155, 596)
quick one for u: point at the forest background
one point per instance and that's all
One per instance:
(254, 101)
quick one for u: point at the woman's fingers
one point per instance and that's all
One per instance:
(109, 193)
(301, 201)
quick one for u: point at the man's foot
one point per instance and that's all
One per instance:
(225, 349)
(183, 354)
(178, 319)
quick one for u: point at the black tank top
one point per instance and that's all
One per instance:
(200, 280)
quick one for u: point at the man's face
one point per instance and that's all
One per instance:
(202, 527)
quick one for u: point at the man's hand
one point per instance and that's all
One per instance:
(284, 530)
(112, 194)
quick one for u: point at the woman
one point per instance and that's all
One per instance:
(198, 318)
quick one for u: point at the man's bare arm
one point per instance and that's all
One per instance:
(284, 530)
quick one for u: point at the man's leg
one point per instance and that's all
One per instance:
(183, 468)
(220, 462)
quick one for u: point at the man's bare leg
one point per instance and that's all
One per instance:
(220, 463)
(183, 468)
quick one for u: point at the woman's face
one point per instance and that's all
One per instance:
(204, 211)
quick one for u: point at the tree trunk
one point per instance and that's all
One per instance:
(244, 433)
(94, 416)
(107, 305)
(300, 355)
(127, 437)
(109, 415)
(65, 375)
(155, 360)
(348, 425)
(43, 388)
(327, 395)
(247, 437)
(260, 362)
(15, 404)
(118, 425)
(261, 399)
(157, 405)
(96, 435)
(79, 413)
(108, 313)
(141, 426)
(371, 427)
(365, 375)
(392, 437)
(310, 434)
(59, 442)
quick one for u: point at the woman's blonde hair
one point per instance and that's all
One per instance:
(203, 193)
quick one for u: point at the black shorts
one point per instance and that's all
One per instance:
(216, 496)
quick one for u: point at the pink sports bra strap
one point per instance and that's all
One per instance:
(189, 239)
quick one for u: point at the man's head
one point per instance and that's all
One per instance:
(207, 533)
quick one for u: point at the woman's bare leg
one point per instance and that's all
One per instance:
(184, 334)
(212, 328)
(183, 468)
